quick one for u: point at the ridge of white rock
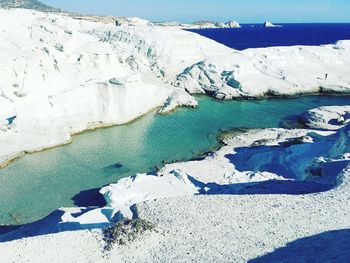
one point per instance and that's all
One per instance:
(275, 71)
(201, 24)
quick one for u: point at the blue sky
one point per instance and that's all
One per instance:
(244, 11)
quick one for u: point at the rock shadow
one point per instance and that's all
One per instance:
(284, 159)
(287, 187)
(87, 198)
(332, 246)
(49, 225)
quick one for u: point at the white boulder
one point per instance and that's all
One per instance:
(269, 24)
(232, 24)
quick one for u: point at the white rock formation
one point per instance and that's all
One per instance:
(232, 24)
(269, 24)
(275, 71)
(328, 117)
(60, 75)
(68, 75)
(132, 21)
(201, 24)
(178, 98)
(129, 191)
(204, 24)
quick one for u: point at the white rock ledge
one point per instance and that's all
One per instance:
(329, 117)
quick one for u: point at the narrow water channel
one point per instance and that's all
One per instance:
(39, 183)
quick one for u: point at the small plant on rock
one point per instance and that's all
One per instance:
(59, 47)
(124, 231)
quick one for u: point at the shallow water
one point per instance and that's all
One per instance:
(39, 183)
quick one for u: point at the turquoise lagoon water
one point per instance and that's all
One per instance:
(39, 183)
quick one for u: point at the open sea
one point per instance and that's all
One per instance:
(255, 36)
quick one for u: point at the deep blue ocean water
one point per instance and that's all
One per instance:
(255, 36)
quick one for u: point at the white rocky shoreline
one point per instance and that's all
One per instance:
(208, 210)
(231, 222)
(86, 74)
